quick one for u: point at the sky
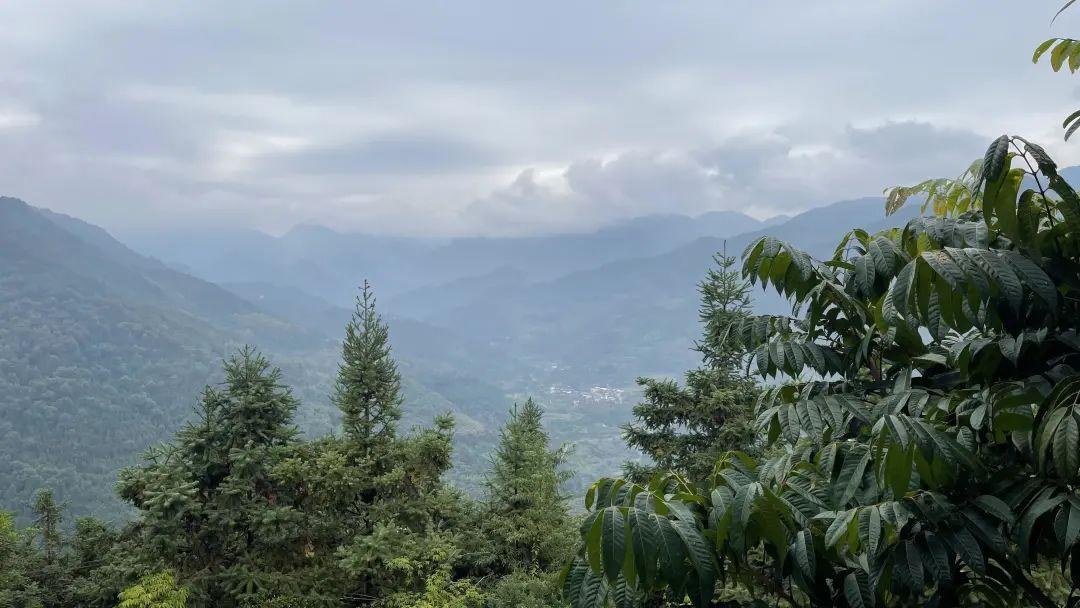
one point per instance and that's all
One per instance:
(506, 118)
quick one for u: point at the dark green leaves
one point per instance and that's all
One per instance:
(788, 268)
(995, 162)
(1057, 434)
(972, 286)
(612, 542)
(924, 432)
(803, 550)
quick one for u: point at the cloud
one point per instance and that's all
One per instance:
(762, 174)
(911, 142)
(403, 153)
(592, 192)
(484, 117)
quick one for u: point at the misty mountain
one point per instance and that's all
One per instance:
(94, 363)
(104, 351)
(330, 264)
(631, 317)
(580, 310)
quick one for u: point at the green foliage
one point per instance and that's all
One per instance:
(99, 561)
(686, 428)
(525, 520)
(368, 388)
(1062, 52)
(210, 506)
(524, 590)
(45, 567)
(439, 592)
(47, 518)
(931, 454)
(381, 520)
(18, 588)
(157, 590)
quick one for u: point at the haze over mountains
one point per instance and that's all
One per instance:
(104, 350)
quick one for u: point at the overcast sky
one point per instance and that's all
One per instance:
(505, 117)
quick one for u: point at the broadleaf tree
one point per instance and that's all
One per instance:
(922, 421)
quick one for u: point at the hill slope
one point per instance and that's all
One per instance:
(103, 352)
(630, 317)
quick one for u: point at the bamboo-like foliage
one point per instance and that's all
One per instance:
(158, 590)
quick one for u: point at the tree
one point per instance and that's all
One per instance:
(101, 563)
(157, 590)
(18, 588)
(1062, 51)
(926, 441)
(526, 519)
(685, 428)
(47, 517)
(381, 519)
(52, 573)
(368, 387)
(210, 506)
(440, 592)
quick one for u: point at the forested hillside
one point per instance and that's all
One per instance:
(104, 352)
(93, 367)
(520, 333)
(908, 434)
(239, 509)
(126, 341)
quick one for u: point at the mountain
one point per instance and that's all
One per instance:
(330, 264)
(95, 364)
(631, 317)
(104, 351)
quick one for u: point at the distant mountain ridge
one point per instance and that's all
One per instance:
(599, 307)
(104, 348)
(638, 313)
(103, 351)
(329, 264)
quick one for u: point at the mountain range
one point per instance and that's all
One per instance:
(105, 345)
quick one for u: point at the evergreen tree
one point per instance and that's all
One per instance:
(101, 563)
(211, 507)
(368, 387)
(52, 573)
(526, 519)
(18, 588)
(47, 517)
(382, 518)
(684, 429)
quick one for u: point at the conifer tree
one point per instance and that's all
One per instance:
(211, 508)
(52, 574)
(18, 589)
(685, 428)
(384, 509)
(47, 518)
(527, 519)
(101, 563)
(368, 387)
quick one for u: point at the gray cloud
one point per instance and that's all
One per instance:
(905, 141)
(762, 175)
(392, 153)
(487, 117)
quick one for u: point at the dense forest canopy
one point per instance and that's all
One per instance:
(906, 432)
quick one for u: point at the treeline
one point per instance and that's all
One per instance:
(239, 511)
